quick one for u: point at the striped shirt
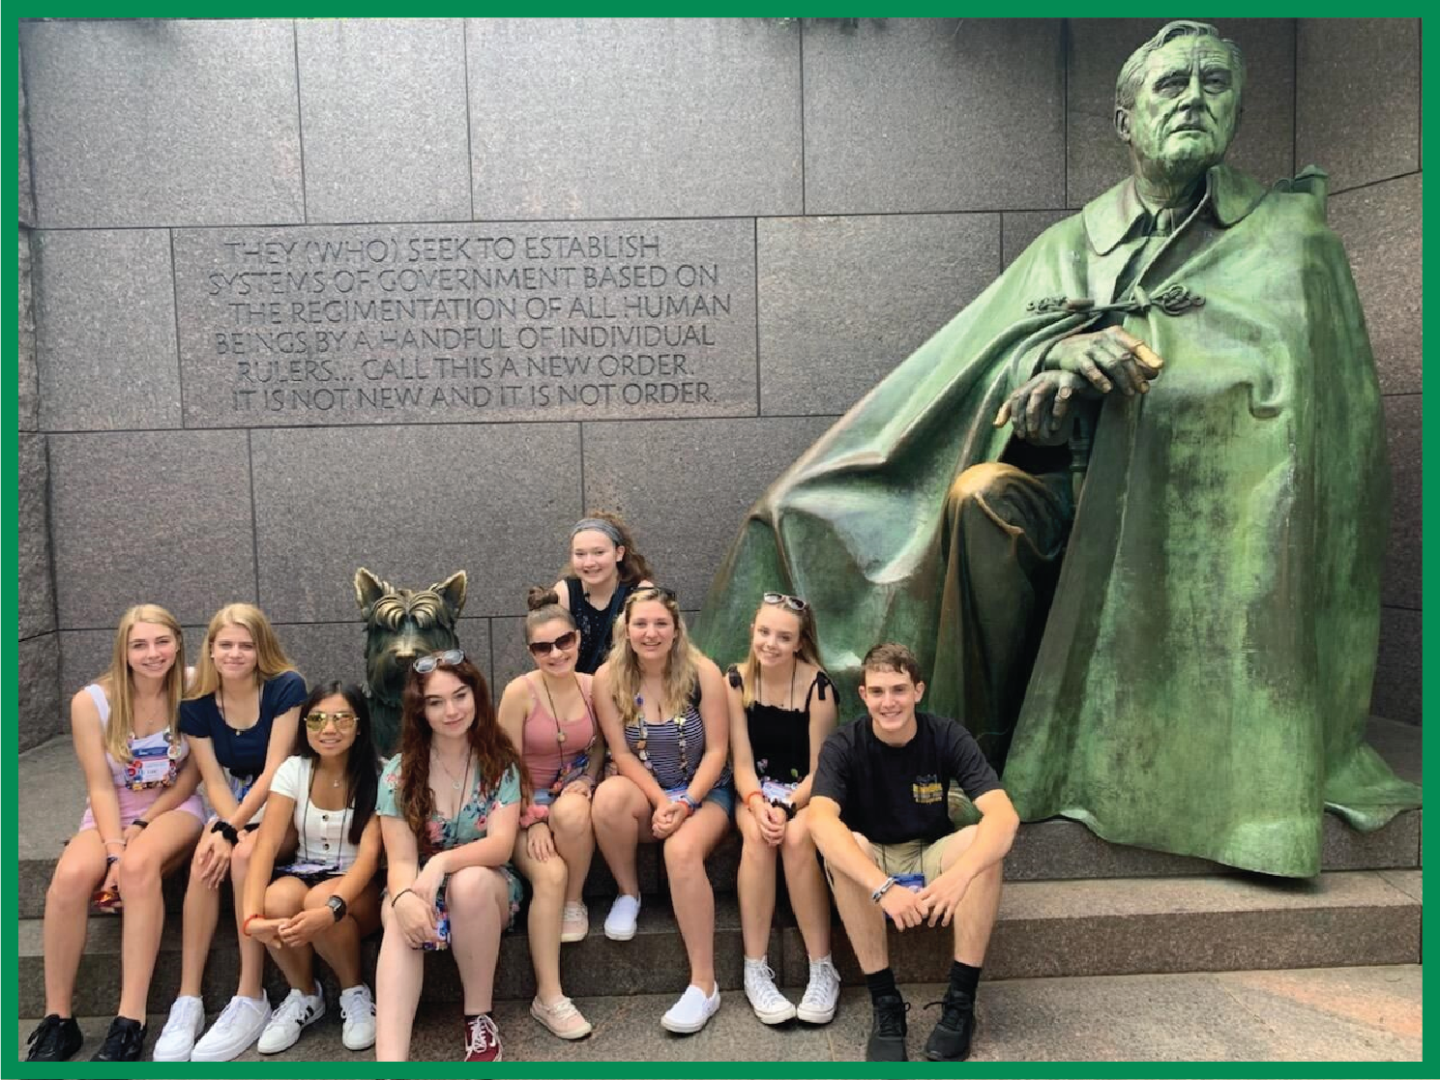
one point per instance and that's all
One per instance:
(662, 748)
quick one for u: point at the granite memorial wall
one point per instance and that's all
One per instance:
(303, 295)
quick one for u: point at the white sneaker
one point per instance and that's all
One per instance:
(822, 993)
(769, 1004)
(692, 1011)
(297, 1012)
(357, 1008)
(235, 1030)
(624, 915)
(186, 1022)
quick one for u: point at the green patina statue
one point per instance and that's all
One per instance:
(1129, 507)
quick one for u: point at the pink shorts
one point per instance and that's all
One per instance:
(133, 804)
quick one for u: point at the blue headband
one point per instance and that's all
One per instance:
(599, 525)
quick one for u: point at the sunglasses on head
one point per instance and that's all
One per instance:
(794, 603)
(644, 594)
(427, 664)
(560, 644)
(344, 720)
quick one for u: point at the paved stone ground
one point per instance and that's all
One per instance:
(1326, 1014)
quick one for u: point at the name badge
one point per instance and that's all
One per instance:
(150, 766)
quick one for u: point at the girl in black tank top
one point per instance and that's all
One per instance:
(604, 569)
(782, 708)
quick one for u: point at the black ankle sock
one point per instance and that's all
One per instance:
(882, 983)
(964, 979)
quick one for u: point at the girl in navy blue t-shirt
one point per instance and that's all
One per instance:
(241, 718)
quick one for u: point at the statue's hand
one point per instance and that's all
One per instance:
(1039, 408)
(1109, 358)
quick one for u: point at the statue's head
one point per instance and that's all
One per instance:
(1177, 102)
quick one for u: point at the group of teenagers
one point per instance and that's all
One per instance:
(625, 733)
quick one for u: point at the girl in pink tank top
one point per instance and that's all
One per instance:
(548, 714)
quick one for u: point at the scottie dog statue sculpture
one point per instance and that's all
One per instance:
(400, 625)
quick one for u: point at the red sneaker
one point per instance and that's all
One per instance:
(482, 1039)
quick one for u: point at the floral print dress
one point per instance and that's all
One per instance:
(442, 833)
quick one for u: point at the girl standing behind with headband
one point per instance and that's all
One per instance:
(548, 715)
(782, 709)
(604, 570)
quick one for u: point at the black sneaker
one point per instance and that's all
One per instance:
(123, 1042)
(950, 1041)
(56, 1039)
(887, 1033)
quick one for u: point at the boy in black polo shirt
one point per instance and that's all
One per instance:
(878, 808)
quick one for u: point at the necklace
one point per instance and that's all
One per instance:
(220, 707)
(156, 719)
(454, 783)
(324, 837)
(560, 733)
(790, 698)
(680, 739)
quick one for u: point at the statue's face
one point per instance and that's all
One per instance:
(1186, 109)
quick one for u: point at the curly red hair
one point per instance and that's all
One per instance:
(492, 746)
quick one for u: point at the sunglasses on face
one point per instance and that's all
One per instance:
(343, 719)
(560, 644)
(646, 594)
(427, 664)
(793, 603)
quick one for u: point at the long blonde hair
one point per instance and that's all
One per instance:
(808, 649)
(682, 674)
(270, 658)
(119, 683)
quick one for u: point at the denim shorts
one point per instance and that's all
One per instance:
(722, 795)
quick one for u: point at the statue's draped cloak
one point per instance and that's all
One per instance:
(1203, 680)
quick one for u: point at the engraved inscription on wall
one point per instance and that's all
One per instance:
(470, 322)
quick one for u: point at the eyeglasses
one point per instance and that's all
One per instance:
(560, 644)
(794, 603)
(427, 664)
(344, 721)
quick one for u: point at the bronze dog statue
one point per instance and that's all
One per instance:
(400, 625)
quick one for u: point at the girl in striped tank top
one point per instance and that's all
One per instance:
(662, 708)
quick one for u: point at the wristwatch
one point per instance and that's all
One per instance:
(883, 889)
(336, 904)
(688, 801)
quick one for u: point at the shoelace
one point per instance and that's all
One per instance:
(822, 979)
(953, 1010)
(482, 1033)
(178, 1019)
(562, 1009)
(356, 1002)
(891, 1018)
(230, 1014)
(120, 1039)
(47, 1032)
(292, 1008)
(769, 993)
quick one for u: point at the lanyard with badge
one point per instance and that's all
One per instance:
(152, 766)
